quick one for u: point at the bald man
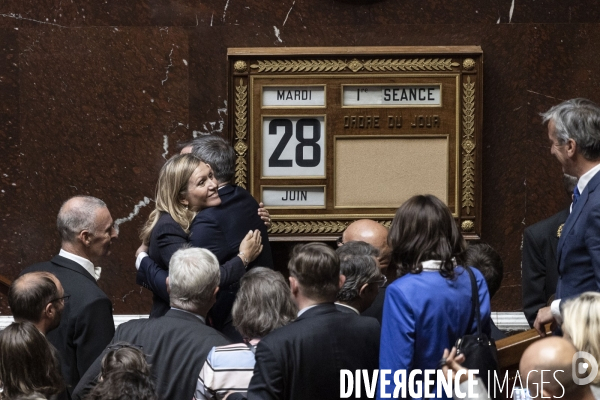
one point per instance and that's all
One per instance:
(546, 368)
(372, 232)
(37, 297)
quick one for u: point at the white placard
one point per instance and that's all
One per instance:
(293, 96)
(410, 95)
(294, 196)
(293, 146)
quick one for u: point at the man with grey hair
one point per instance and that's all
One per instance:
(358, 263)
(374, 233)
(178, 342)
(574, 133)
(219, 229)
(86, 229)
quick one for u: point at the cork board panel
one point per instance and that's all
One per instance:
(386, 171)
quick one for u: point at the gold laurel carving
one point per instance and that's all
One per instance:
(423, 64)
(468, 173)
(240, 66)
(299, 65)
(468, 64)
(436, 64)
(315, 227)
(241, 123)
(467, 226)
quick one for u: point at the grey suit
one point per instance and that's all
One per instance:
(176, 345)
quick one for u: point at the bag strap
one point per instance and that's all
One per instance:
(474, 300)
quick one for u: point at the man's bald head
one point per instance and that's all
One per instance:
(30, 295)
(554, 356)
(372, 232)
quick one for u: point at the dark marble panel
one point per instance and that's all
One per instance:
(298, 13)
(57, 13)
(555, 11)
(564, 66)
(9, 154)
(100, 110)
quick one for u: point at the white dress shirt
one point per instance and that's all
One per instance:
(84, 262)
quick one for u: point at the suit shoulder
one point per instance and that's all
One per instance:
(40, 266)
(550, 224)
(166, 222)
(244, 194)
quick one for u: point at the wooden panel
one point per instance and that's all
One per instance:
(4, 285)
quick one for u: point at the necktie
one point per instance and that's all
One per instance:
(576, 195)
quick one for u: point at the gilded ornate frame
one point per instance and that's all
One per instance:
(466, 62)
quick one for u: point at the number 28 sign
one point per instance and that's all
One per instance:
(293, 146)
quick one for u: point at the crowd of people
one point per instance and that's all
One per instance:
(225, 324)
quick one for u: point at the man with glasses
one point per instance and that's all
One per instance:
(37, 297)
(86, 229)
(358, 263)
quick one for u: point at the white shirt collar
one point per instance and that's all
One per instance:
(434, 265)
(350, 307)
(305, 309)
(587, 177)
(84, 262)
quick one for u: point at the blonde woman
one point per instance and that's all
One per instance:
(581, 325)
(186, 185)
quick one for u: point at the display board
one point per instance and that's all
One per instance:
(325, 136)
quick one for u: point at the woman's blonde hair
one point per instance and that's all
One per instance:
(172, 184)
(581, 321)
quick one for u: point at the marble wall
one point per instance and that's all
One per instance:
(95, 94)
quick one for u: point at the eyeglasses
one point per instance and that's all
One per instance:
(65, 299)
(381, 281)
(123, 345)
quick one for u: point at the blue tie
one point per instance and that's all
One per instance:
(576, 195)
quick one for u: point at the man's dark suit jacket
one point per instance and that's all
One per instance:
(376, 309)
(539, 268)
(168, 237)
(176, 346)
(221, 229)
(302, 361)
(344, 309)
(87, 324)
(579, 245)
